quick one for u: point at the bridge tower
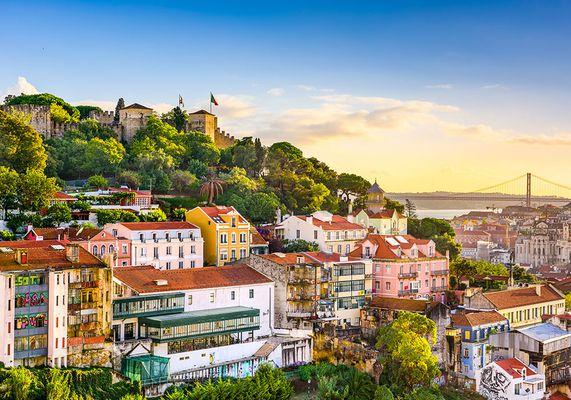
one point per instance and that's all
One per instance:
(528, 190)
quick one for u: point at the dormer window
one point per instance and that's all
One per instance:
(233, 222)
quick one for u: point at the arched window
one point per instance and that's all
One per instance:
(102, 249)
(111, 248)
(94, 250)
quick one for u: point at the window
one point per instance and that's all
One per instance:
(330, 249)
(212, 297)
(251, 293)
(232, 295)
(348, 249)
(223, 256)
(167, 236)
(124, 249)
(57, 280)
(155, 237)
(339, 248)
(94, 250)
(189, 297)
(367, 251)
(315, 235)
(233, 222)
(233, 238)
(111, 248)
(168, 265)
(155, 253)
(192, 249)
(192, 264)
(223, 238)
(242, 238)
(114, 232)
(142, 237)
(242, 253)
(180, 264)
(103, 249)
(297, 234)
(181, 251)
(169, 250)
(233, 254)
(387, 286)
(377, 285)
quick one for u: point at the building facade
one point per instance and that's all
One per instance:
(226, 233)
(332, 233)
(404, 266)
(510, 379)
(56, 305)
(165, 245)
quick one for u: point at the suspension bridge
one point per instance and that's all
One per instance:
(526, 189)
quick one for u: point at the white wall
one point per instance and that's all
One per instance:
(57, 316)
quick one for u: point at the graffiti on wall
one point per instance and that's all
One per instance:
(494, 384)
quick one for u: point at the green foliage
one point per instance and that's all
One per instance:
(58, 213)
(21, 146)
(19, 384)
(129, 178)
(153, 216)
(179, 214)
(183, 181)
(9, 181)
(176, 118)
(299, 245)
(438, 230)
(103, 156)
(341, 382)
(405, 352)
(424, 393)
(45, 99)
(410, 209)
(568, 301)
(394, 205)
(110, 216)
(35, 190)
(85, 110)
(97, 182)
(383, 393)
(7, 235)
(58, 386)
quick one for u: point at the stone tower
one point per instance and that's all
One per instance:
(375, 198)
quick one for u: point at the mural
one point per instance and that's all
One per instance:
(494, 384)
(30, 321)
(32, 299)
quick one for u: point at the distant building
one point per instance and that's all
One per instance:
(510, 379)
(258, 245)
(332, 233)
(404, 266)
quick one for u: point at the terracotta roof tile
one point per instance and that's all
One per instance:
(136, 106)
(142, 279)
(522, 297)
(514, 367)
(393, 303)
(286, 258)
(322, 256)
(337, 223)
(476, 318)
(257, 239)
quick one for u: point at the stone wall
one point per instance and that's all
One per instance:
(40, 116)
(222, 139)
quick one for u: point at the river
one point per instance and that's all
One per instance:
(443, 214)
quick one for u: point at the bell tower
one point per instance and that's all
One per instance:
(375, 198)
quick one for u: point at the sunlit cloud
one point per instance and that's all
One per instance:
(494, 86)
(561, 139)
(445, 86)
(306, 88)
(275, 92)
(22, 86)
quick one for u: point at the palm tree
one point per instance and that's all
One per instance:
(211, 187)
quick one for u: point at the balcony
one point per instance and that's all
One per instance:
(303, 297)
(407, 275)
(294, 280)
(299, 313)
(144, 306)
(90, 284)
(440, 272)
(407, 292)
(438, 288)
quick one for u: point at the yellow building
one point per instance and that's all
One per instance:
(521, 306)
(226, 233)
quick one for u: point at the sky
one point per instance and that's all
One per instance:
(420, 95)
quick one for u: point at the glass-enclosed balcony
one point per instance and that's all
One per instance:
(202, 323)
(145, 306)
(147, 369)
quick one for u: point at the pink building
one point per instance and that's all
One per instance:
(115, 251)
(404, 266)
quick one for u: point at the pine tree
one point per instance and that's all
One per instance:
(119, 106)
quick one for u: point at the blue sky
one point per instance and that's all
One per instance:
(431, 95)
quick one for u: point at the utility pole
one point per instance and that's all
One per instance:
(528, 191)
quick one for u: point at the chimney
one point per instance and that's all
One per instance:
(161, 282)
(309, 219)
(22, 256)
(72, 252)
(350, 207)
(538, 290)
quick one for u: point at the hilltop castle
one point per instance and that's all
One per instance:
(126, 124)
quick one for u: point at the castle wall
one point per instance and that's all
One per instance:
(40, 116)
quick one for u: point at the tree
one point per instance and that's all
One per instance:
(405, 352)
(103, 156)
(462, 268)
(394, 205)
(176, 118)
(105, 217)
(211, 187)
(351, 185)
(183, 181)
(120, 105)
(299, 245)
(45, 99)
(198, 168)
(409, 209)
(179, 214)
(18, 385)
(154, 216)
(21, 145)
(97, 182)
(36, 190)
(58, 213)
(383, 393)
(568, 301)
(85, 110)
(58, 386)
(129, 178)
(446, 243)
(9, 180)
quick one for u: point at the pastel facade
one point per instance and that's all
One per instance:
(404, 266)
(165, 245)
(56, 305)
(510, 379)
(202, 323)
(521, 306)
(226, 233)
(332, 233)
(383, 222)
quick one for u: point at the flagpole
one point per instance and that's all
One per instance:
(210, 101)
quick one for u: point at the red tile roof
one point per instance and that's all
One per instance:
(63, 196)
(322, 256)
(153, 226)
(143, 279)
(476, 318)
(337, 223)
(558, 396)
(515, 367)
(522, 297)
(69, 233)
(216, 211)
(257, 239)
(385, 250)
(286, 258)
(41, 254)
(393, 303)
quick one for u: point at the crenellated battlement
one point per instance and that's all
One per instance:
(104, 117)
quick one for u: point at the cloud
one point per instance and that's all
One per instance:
(106, 105)
(21, 86)
(494, 86)
(446, 86)
(560, 139)
(275, 92)
(161, 108)
(306, 88)
(234, 106)
(477, 131)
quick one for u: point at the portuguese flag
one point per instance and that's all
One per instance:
(212, 99)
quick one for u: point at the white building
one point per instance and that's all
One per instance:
(333, 233)
(199, 323)
(165, 245)
(510, 379)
